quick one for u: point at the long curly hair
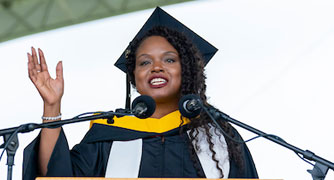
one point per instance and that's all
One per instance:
(193, 82)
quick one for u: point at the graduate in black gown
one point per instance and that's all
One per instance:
(165, 61)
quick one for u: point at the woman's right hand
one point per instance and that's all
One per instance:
(51, 90)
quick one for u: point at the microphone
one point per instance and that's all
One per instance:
(143, 106)
(190, 105)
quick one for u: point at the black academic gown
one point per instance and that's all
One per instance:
(164, 155)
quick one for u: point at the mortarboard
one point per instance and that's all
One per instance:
(161, 18)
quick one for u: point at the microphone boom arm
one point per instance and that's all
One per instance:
(320, 168)
(10, 134)
(32, 126)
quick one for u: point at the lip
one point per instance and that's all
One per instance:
(160, 85)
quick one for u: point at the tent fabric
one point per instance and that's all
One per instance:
(19, 18)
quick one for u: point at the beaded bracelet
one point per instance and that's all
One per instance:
(51, 118)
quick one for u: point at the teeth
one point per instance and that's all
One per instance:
(157, 81)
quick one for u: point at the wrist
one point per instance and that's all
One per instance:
(51, 110)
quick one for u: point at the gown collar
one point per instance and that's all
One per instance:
(130, 128)
(168, 122)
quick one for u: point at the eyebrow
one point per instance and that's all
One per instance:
(141, 55)
(167, 52)
(171, 52)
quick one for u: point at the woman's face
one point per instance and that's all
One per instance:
(158, 70)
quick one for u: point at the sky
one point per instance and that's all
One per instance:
(273, 71)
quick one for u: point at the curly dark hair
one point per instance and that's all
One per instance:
(193, 82)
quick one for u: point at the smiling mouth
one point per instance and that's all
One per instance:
(158, 81)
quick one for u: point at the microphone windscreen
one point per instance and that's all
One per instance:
(148, 101)
(195, 101)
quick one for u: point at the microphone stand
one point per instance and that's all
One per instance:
(321, 166)
(11, 142)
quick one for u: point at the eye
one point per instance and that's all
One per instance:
(143, 63)
(169, 60)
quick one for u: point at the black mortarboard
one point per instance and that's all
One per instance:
(160, 18)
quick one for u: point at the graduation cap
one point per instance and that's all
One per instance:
(161, 18)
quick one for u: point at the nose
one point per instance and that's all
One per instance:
(157, 67)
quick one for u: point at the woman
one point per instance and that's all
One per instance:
(165, 65)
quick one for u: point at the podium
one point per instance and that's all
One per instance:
(101, 178)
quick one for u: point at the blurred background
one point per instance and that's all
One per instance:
(273, 70)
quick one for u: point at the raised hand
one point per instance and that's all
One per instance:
(51, 90)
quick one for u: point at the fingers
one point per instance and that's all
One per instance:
(35, 59)
(36, 66)
(31, 68)
(43, 64)
(59, 70)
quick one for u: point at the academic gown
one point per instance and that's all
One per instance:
(164, 154)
